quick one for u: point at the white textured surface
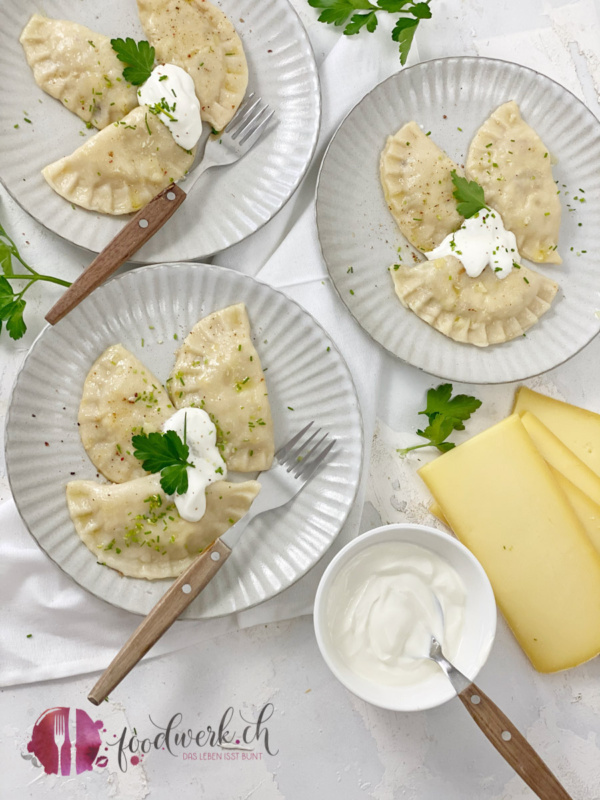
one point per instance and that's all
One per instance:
(332, 745)
(360, 240)
(228, 203)
(307, 381)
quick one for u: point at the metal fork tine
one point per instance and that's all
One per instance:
(306, 469)
(243, 117)
(250, 124)
(283, 451)
(257, 132)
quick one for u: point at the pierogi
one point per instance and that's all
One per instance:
(120, 398)
(512, 164)
(78, 67)
(134, 527)
(122, 167)
(417, 184)
(197, 36)
(218, 369)
(480, 311)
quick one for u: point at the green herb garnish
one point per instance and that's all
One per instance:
(445, 414)
(12, 304)
(337, 12)
(139, 57)
(167, 454)
(469, 196)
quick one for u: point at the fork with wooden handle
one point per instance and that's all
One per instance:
(506, 738)
(297, 462)
(243, 132)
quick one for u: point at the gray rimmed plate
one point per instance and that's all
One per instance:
(359, 239)
(228, 204)
(307, 380)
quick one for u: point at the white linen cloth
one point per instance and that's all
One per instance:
(71, 630)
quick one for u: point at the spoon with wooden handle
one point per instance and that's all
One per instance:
(243, 132)
(508, 741)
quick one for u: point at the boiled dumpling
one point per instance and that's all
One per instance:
(197, 36)
(135, 528)
(123, 167)
(480, 311)
(78, 67)
(218, 369)
(121, 397)
(512, 164)
(417, 184)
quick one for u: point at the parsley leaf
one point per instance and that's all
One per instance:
(358, 21)
(139, 57)
(457, 409)
(404, 33)
(167, 454)
(338, 12)
(445, 415)
(469, 196)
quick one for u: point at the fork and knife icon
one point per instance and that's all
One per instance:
(60, 737)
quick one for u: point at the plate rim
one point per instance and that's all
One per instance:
(300, 177)
(391, 78)
(341, 520)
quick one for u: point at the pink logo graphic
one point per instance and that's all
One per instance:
(66, 741)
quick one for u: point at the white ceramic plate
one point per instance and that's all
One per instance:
(304, 371)
(228, 203)
(452, 98)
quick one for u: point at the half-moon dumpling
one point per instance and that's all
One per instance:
(218, 369)
(78, 67)
(480, 311)
(120, 169)
(134, 527)
(510, 161)
(197, 36)
(417, 184)
(120, 398)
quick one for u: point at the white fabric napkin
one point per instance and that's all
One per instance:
(52, 628)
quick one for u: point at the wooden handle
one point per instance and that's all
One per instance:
(512, 745)
(135, 234)
(163, 615)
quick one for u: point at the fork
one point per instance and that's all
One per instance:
(59, 737)
(297, 462)
(243, 132)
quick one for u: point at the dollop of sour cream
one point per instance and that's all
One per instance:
(169, 92)
(481, 240)
(382, 611)
(200, 435)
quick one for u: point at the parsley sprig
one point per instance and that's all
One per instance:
(139, 57)
(167, 454)
(12, 302)
(469, 196)
(445, 414)
(363, 14)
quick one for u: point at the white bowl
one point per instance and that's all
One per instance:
(478, 630)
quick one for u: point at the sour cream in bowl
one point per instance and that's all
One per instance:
(380, 599)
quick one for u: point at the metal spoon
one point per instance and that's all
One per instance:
(505, 737)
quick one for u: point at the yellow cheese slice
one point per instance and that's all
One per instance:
(502, 501)
(587, 511)
(561, 458)
(577, 428)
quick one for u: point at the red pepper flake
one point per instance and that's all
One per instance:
(46, 443)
